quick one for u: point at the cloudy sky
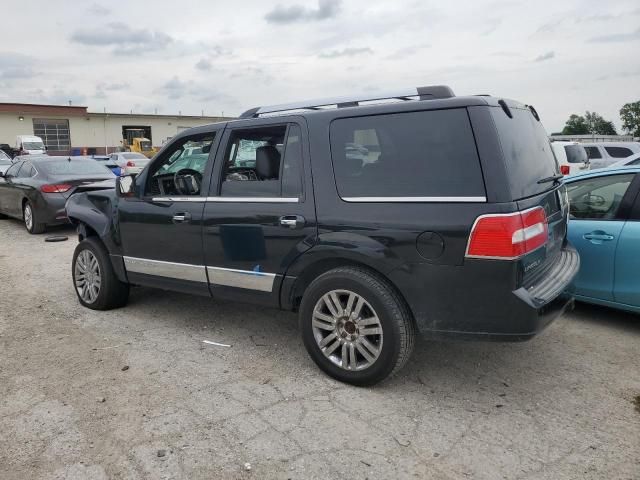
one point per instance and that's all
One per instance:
(213, 56)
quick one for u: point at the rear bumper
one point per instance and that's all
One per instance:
(52, 209)
(475, 301)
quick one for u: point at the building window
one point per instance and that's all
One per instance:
(54, 133)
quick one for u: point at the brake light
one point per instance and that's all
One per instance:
(57, 188)
(131, 163)
(508, 236)
(565, 169)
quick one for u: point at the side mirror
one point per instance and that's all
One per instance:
(1, 174)
(125, 186)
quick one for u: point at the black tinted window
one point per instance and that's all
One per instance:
(292, 166)
(593, 152)
(527, 152)
(418, 154)
(618, 152)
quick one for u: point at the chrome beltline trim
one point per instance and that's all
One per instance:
(248, 279)
(228, 199)
(228, 277)
(181, 271)
(414, 199)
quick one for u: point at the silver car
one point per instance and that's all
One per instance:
(129, 162)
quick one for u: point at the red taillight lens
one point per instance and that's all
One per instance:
(508, 236)
(565, 169)
(58, 188)
(131, 163)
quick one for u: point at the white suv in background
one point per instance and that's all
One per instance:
(605, 154)
(571, 156)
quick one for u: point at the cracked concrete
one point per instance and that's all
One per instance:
(557, 407)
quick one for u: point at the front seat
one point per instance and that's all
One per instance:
(267, 162)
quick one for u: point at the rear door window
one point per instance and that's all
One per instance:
(618, 152)
(417, 154)
(527, 152)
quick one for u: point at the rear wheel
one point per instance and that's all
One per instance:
(30, 217)
(95, 282)
(355, 326)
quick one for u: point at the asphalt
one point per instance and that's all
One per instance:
(135, 393)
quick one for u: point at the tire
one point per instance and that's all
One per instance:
(30, 218)
(363, 357)
(89, 257)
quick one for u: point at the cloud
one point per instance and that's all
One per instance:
(298, 13)
(204, 64)
(491, 26)
(95, 9)
(16, 65)
(545, 56)
(616, 37)
(405, 52)
(124, 39)
(347, 52)
(102, 88)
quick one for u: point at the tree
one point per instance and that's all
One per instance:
(598, 125)
(591, 123)
(630, 115)
(576, 125)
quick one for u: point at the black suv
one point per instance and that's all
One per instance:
(374, 218)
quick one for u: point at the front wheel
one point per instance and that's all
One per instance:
(95, 282)
(355, 326)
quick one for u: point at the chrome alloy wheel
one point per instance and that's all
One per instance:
(347, 330)
(28, 217)
(87, 276)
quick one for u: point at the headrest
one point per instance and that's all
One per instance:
(267, 162)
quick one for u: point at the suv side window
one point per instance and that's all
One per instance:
(593, 152)
(618, 152)
(259, 162)
(417, 154)
(597, 198)
(180, 159)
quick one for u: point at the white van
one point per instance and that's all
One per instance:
(571, 156)
(29, 145)
(605, 154)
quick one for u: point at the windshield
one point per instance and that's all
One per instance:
(527, 152)
(575, 153)
(73, 167)
(33, 146)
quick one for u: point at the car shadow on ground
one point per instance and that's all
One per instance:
(610, 317)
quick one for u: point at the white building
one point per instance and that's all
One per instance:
(66, 129)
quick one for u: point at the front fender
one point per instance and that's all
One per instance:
(96, 211)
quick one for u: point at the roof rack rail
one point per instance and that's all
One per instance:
(422, 93)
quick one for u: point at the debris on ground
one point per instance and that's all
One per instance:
(161, 453)
(636, 401)
(209, 342)
(125, 368)
(247, 466)
(101, 399)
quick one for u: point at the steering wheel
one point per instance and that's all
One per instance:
(594, 200)
(187, 181)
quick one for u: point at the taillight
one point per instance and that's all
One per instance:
(131, 163)
(508, 236)
(57, 188)
(565, 169)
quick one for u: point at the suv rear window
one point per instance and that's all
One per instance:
(575, 153)
(416, 154)
(593, 152)
(527, 152)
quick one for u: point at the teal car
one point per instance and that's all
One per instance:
(604, 226)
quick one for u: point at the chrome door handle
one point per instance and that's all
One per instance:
(181, 217)
(292, 221)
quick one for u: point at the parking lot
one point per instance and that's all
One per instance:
(135, 393)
